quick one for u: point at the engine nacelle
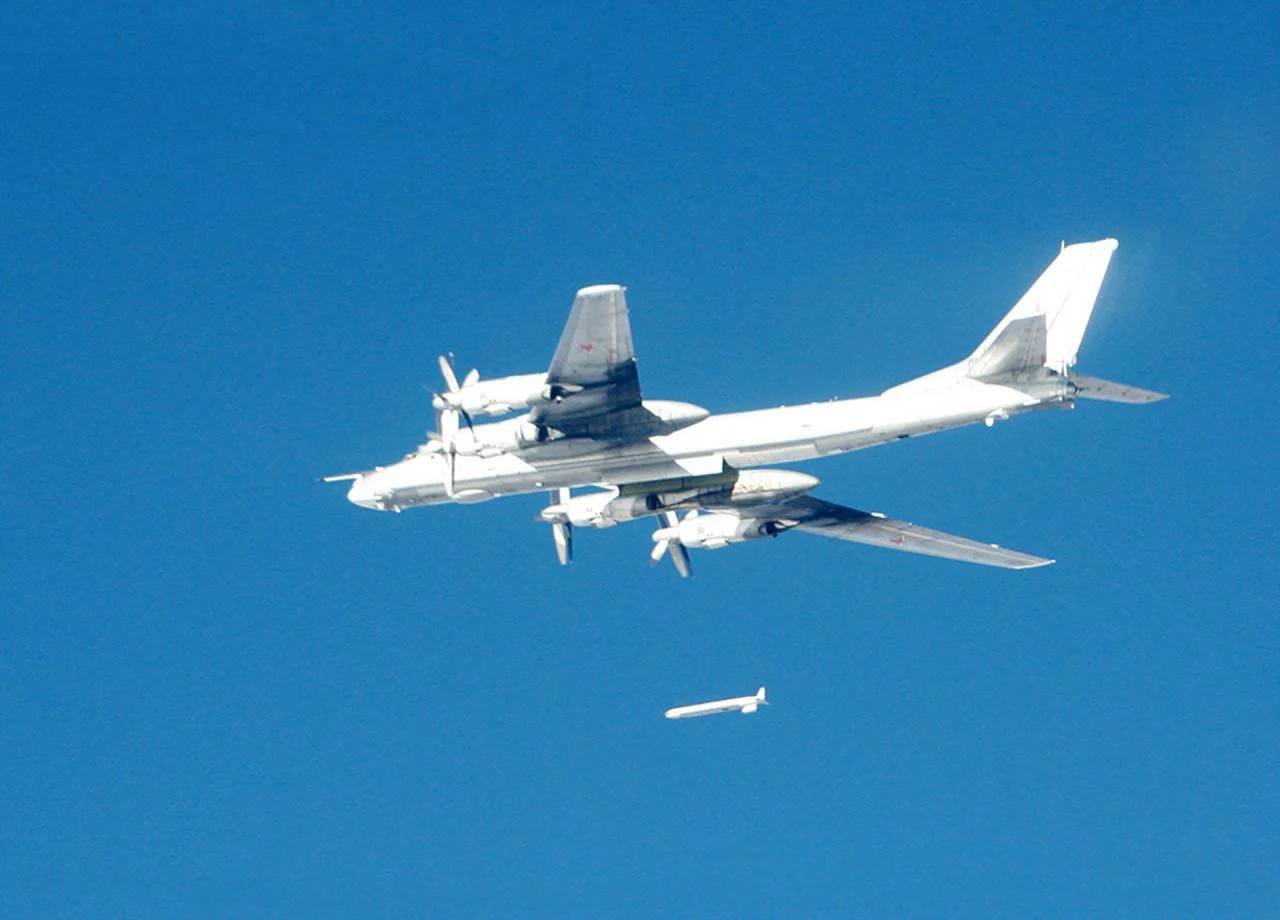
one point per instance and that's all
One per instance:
(499, 437)
(758, 487)
(600, 509)
(713, 531)
(497, 396)
(675, 415)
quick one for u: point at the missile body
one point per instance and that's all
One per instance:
(742, 704)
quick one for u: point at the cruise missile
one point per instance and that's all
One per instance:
(743, 704)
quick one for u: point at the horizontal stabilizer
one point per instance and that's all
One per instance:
(1097, 388)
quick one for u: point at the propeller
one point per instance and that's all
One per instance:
(666, 539)
(449, 374)
(448, 414)
(561, 529)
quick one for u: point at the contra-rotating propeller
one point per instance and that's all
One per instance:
(449, 410)
(669, 521)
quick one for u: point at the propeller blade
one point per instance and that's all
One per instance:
(448, 418)
(562, 533)
(472, 377)
(448, 427)
(680, 556)
(449, 375)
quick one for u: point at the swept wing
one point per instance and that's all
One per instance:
(827, 519)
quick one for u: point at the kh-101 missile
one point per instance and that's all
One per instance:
(742, 704)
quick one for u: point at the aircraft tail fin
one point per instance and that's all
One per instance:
(1046, 325)
(1038, 340)
(760, 696)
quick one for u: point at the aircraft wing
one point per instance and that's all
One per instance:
(826, 519)
(593, 372)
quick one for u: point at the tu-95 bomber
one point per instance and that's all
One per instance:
(584, 425)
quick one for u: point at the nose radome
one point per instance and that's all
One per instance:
(362, 493)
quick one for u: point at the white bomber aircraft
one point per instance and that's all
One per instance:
(587, 426)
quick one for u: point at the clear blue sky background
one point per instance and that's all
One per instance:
(235, 239)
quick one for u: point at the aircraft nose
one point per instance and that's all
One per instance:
(362, 493)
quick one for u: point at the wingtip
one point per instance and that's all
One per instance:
(1030, 562)
(1110, 244)
(594, 290)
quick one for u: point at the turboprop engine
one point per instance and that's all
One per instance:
(498, 395)
(498, 437)
(732, 489)
(747, 490)
(600, 509)
(672, 415)
(714, 531)
(614, 506)
(758, 487)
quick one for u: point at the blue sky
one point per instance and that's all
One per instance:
(234, 241)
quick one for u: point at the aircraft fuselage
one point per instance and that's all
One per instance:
(741, 439)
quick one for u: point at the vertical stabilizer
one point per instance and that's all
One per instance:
(760, 696)
(1046, 326)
